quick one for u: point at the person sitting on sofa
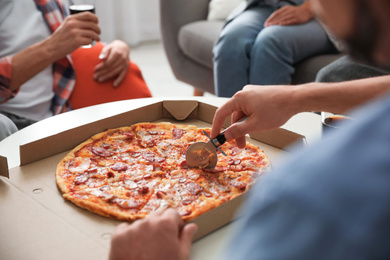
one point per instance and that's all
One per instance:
(261, 44)
(43, 70)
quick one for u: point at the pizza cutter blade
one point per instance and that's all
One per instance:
(204, 155)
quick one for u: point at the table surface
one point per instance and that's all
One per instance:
(307, 124)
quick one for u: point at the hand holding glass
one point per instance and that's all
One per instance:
(79, 6)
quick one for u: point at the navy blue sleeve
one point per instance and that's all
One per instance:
(331, 201)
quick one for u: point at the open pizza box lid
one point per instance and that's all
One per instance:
(60, 230)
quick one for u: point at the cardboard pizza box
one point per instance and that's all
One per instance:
(57, 229)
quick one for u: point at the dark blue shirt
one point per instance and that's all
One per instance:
(330, 201)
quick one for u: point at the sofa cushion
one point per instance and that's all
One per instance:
(221, 9)
(196, 40)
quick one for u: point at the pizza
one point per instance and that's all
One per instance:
(128, 172)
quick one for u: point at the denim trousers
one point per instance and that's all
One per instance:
(246, 52)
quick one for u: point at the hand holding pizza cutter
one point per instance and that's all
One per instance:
(204, 155)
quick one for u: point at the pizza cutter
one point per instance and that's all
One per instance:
(204, 155)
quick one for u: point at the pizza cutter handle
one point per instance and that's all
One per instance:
(220, 139)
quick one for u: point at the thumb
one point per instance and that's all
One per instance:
(104, 53)
(187, 234)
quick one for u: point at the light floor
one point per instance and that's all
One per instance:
(151, 59)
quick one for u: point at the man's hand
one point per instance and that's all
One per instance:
(76, 30)
(267, 107)
(289, 15)
(162, 235)
(115, 62)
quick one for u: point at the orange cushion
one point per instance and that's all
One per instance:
(88, 92)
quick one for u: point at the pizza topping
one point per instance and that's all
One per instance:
(147, 176)
(100, 151)
(182, 179)
(236, 168)
(93, 169)
(154, 132)
(81, 179)
(136, 154)
(160, 194)
(235, 150)
(104, 188)
(215, 170)
(207, 194)
(119, 166)
(178, 133)
(238, 184)
(176, 174)
(233, 162)
(79, 165)
(110, 174)
(127, 136)
(130, 184)
(152, 158)
(127, 204)
(184, 165)
(185, 212)
(143, 189)
(187, 202)
(194, 188)
(193, 175)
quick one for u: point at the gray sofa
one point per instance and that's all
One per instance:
(188, 38)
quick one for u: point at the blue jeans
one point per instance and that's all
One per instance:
(248, 53)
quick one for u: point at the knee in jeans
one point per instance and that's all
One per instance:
(230, 45)
(271, 39)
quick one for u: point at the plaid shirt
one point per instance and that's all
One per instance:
(63, 74)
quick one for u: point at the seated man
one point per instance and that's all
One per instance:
(37, 74)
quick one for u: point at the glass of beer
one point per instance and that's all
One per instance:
(79, 6)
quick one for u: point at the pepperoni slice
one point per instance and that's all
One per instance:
(215, 170)
(177, 133)
(238, 184)
(184, 165)
(119, 166)
(185, 212)
(81, 179)
(160, 194)
(152, 158)
(187, 202)
(194, 188)
(143, 190)
(101, 152)
(130, 136)
(110, 174)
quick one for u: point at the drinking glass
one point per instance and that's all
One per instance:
(79, 6)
